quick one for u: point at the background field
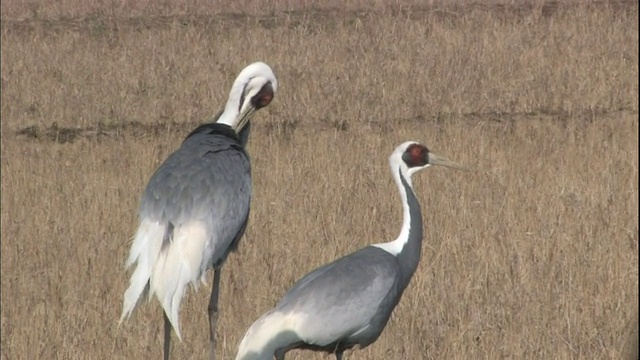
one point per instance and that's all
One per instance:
(534, 255)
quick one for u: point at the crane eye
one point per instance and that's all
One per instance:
(265, 100)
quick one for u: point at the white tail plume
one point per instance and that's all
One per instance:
(166, 269)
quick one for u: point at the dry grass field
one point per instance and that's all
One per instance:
(533, 255)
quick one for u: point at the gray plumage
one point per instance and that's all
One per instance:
(209, 179)
(195, 207)
(348, 302)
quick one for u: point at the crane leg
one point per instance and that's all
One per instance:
(339, 355)
(167, 336)
(279, 355)
(213, 312)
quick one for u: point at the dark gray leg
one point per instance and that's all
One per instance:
(279, 354)
(167, 336)
(213, 312)
(339, 355)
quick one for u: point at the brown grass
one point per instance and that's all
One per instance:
(534, 255)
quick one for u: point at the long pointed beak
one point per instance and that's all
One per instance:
(244, 116)
(435, 159)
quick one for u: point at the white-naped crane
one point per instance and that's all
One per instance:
(195, 207)
(348, 302)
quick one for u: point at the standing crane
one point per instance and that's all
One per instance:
(195, 207)
(348, 302)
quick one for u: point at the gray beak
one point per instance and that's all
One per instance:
(435, 159)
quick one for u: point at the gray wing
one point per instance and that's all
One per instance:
(209, 179)
(345, 297)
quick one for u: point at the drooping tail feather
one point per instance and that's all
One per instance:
(178, 265)
(166, 269)
(270, 332)
(144, 251)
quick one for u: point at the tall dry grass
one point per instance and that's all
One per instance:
(533, 255)
(65, 9)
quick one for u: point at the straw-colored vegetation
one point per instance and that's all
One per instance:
(534, 255)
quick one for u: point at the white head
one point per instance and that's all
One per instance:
(411, 157)
(253, 89)
(407, 159)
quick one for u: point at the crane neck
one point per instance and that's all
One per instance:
(230, 114)
(216, 128)
(407, 246)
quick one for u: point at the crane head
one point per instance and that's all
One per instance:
(253, 89)
(412, 157)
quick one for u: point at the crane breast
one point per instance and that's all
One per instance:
(343, 298)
